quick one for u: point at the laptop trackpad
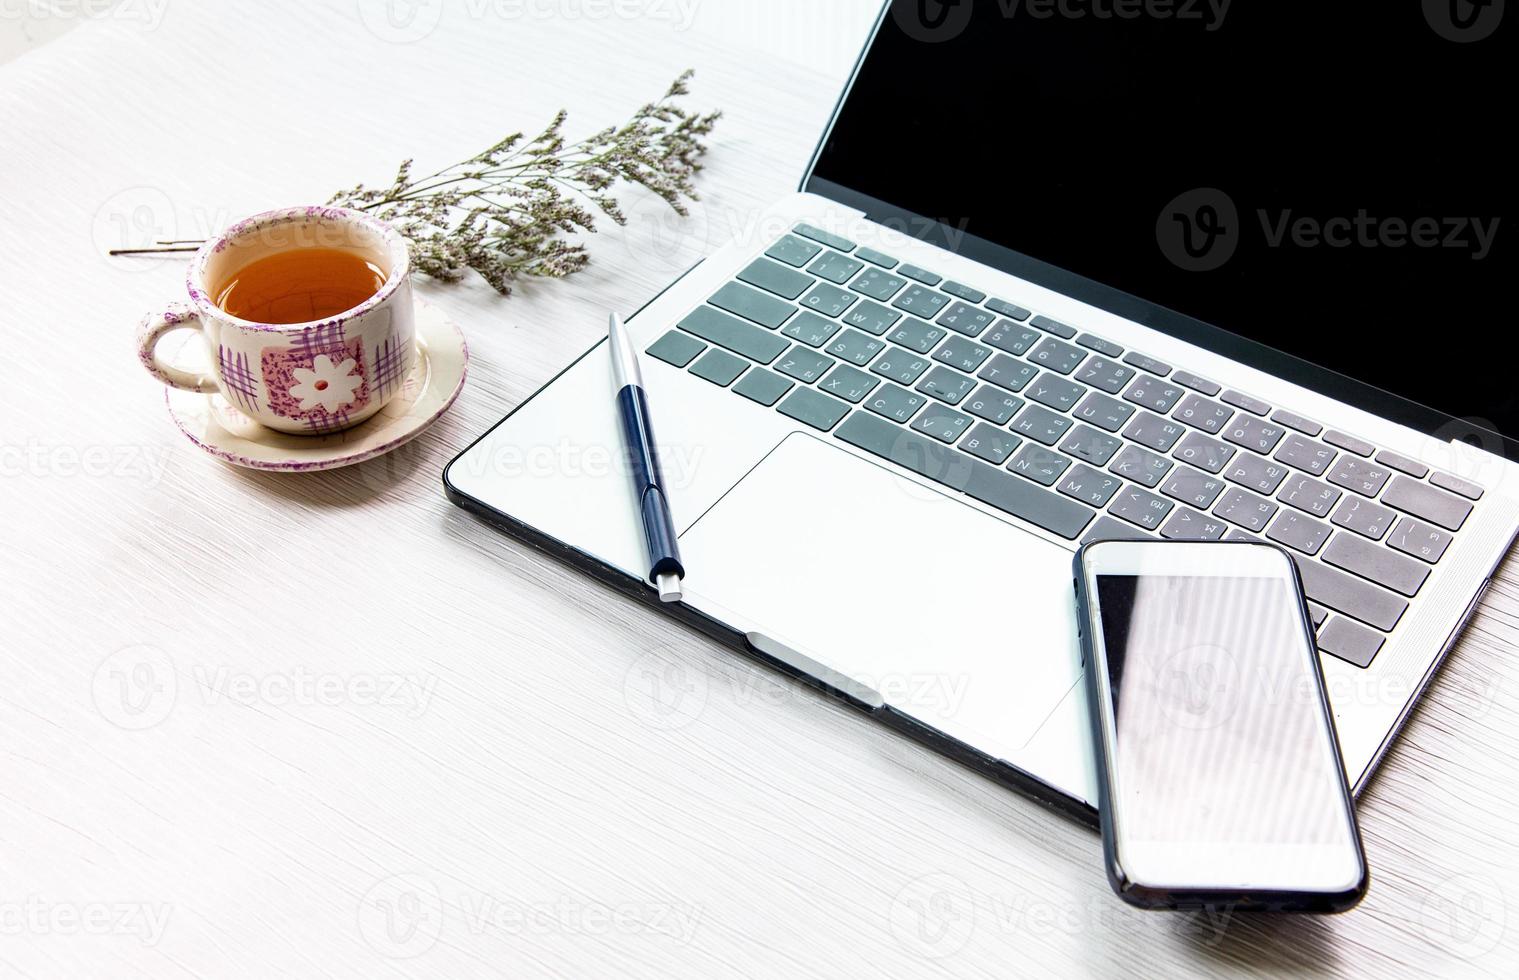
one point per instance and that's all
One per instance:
(960, 619)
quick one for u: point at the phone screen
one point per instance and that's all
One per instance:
(1223, 766)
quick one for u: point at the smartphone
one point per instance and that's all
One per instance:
(1219, 774)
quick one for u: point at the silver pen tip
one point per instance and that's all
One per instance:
(668, 585)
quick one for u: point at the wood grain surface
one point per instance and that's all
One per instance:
(329, 725)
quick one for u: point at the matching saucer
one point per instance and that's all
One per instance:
(431, 387)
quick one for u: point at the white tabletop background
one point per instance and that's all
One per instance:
(328, 725)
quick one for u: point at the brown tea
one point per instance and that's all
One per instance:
(300, 285)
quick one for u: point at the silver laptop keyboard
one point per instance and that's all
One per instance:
(1066, 430)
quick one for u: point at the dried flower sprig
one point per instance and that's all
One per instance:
(504, 212)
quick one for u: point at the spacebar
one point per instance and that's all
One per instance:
(942, 464)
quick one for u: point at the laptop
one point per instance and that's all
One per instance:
(1049, 278)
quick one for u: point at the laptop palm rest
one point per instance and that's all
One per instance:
(950, 615)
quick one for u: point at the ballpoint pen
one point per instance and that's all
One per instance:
(665, 569)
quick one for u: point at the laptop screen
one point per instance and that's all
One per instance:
(1321, 178)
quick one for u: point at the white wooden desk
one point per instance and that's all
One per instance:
(331, 726)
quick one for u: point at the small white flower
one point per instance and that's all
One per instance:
(325, 384)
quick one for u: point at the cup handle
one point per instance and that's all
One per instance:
(178, 316)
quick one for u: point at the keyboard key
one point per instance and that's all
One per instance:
(793, 251)
(1188, 380)
(1089, 486)
(1363, 517)
(1010, 310)
(1241, 400)
(751, 304)
(811, 329)
(1204, 452)
(1155, 432)
(1110, 376)
(1255, 473)
(946, 385)
(900, 365)
(848, 383)
(1306, 493)
(1053, 326)
(1041, 465)
(963, 291)
(942, 422)
(1203, 413)
(719, 367)
(1147, 364)
(1352, 596)
(920, 301)
(1291, 421)
(990, 443)
(958, 471)
(1153, 393)
(1141, 507)
(1298, 531)
(1254, 434)
(856, 348)
(879, 258)
(921, 275)
(765, 387)
(777, 279)
(1057, 355)
(1107, 529)
(1104, 347)
(1104, 412)
(827, 238)
(1456, 485)
(895, 403)
(1305, 454)
(1007, 372)
(1427, 503)
(814, 409)
(1041, 425)
(1193, 487)
(1140, 465)
(728, 331)
(804, 365)
(871, 317)
(835, 268)
(1011, 337)
(1057, 393)
(828, 300)
(1349, 641)
(916, 335)
(1317, 614)
(1349, 443)
(993, 405)
(676, 348)
(877, 284)
(1424, 541)
(1086, 443)
(1403, 464)
(962, 353)
(968, 320)
(1381, 565)
(1188, 525)
(1244, 508)
(1359, 475)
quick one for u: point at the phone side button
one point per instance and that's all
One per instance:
(1349, 641)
